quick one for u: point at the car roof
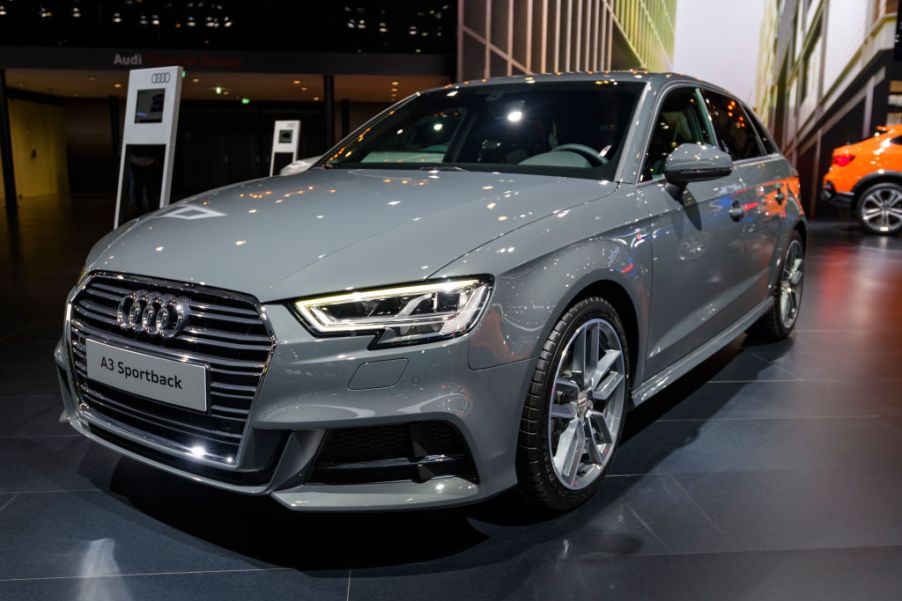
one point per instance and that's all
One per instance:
(655, 79)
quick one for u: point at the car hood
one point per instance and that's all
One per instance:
(331, 230)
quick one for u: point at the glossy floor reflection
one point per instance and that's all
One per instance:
(770, 472)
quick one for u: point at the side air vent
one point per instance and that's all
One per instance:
(417, 452)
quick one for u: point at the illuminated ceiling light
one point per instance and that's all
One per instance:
(304, 89)
(515, 116)
(394, 90)
(296, 82)
(316, 99)
(198, 451)
(395, 83)
(195, 80)
(225, 92)
(91, 78)
(117, 85)
(218, 90)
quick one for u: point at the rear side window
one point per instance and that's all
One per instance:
(732, 126)
(679, 121)
(770, 147)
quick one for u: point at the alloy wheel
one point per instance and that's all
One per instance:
(791, 284)
(587, 402)
(881, 209)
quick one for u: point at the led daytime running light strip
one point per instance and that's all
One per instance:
(311, 310)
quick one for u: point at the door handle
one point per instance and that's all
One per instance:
(779, 196)
(736, 211)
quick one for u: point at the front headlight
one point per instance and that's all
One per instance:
(400, 315)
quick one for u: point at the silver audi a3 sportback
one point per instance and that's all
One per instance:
(466, 295)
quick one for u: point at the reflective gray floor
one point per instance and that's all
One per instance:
(771, 472)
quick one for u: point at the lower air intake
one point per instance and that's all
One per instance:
(415, 452)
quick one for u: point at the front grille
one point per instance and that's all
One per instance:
(418, 451)
(224, 331)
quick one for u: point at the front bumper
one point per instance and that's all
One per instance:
(316, 385)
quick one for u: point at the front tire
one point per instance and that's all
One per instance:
(574, 412)
(880, 209)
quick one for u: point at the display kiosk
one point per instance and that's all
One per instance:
(148, 141)
(285, 138)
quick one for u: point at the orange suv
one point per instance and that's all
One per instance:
(867, 177)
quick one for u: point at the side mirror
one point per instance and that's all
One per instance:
(693, 162)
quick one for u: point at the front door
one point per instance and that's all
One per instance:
(701, 267)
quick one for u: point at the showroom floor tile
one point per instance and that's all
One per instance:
(769, 472)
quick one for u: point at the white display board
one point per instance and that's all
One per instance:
(285, 137)
(148, 141)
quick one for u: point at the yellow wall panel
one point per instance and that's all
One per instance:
(39, 149)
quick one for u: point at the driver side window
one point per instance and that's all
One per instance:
(679, 121)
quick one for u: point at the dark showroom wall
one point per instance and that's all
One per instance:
(91, 155)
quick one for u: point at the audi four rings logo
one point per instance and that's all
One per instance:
(159, 77)
(153, 313)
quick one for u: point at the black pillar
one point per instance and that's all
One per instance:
(115, 129)
(6, 149)
(329, 100)
(345, 117)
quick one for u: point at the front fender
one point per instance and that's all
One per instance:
(571, 256)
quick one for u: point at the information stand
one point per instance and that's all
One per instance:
(148, 141)
(285, 138)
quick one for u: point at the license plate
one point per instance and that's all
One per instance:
(164, 380)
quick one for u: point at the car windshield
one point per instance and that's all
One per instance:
(574, 129)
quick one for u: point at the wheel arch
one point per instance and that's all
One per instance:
(620, 299)
(802, 228)
(887, 177)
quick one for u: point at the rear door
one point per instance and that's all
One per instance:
(700, 261)
(763, 176)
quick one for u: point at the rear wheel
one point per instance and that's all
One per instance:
(880, 209)
(778, 323)
(574, 412)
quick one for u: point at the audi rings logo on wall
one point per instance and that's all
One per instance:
(153, 313)
(162, 77)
